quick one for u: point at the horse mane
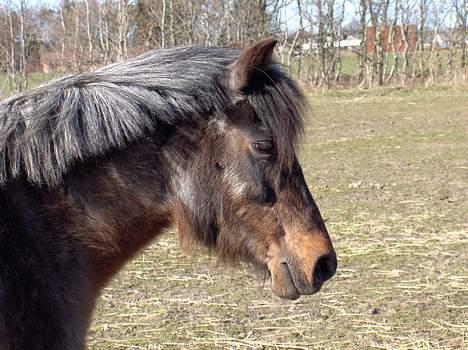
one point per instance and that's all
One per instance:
(46, 130)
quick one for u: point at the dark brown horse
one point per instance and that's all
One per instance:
(94, 166)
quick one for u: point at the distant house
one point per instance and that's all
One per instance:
(439, 42)
(350, 42)
(393, 38)
(310, 46)
(313, 44)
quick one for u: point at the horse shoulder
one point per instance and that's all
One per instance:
(39, 300)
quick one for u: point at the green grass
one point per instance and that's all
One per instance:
(389, 170)
(34, 79)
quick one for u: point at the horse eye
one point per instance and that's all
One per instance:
(263, 146)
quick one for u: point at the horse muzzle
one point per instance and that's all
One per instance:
(290, 280)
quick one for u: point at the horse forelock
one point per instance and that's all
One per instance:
(47, 130)
(279, 103)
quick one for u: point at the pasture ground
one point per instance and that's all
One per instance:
(389, 171)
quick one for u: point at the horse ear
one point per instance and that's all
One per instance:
(251, 58)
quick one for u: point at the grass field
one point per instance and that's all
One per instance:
(349, 68)
(34, 79)
(389, 170)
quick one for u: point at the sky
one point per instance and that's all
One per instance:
(291, 11)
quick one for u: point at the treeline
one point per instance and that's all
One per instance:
(324, 43)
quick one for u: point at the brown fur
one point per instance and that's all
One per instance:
(253, 60)
(227, 179)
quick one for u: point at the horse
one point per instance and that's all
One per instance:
(94, 166)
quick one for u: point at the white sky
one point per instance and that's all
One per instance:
(351, 10)
(291, 12)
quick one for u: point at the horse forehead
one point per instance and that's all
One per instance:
(242, 129)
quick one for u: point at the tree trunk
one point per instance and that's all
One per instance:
(363, 50)
(23, 79)
(90, 37)
(123, 29)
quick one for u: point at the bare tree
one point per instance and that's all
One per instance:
(104, 37)
(400, 39)
(123, 29)
(461, 11)
(89, 34)
(421, 36)
(363, 52)
(391, 43)
(17, 47)
(300, 34)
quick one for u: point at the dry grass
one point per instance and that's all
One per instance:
(389, 170)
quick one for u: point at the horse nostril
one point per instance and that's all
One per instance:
(325, 268)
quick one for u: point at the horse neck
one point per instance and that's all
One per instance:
(116, 206)
(77, 234)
